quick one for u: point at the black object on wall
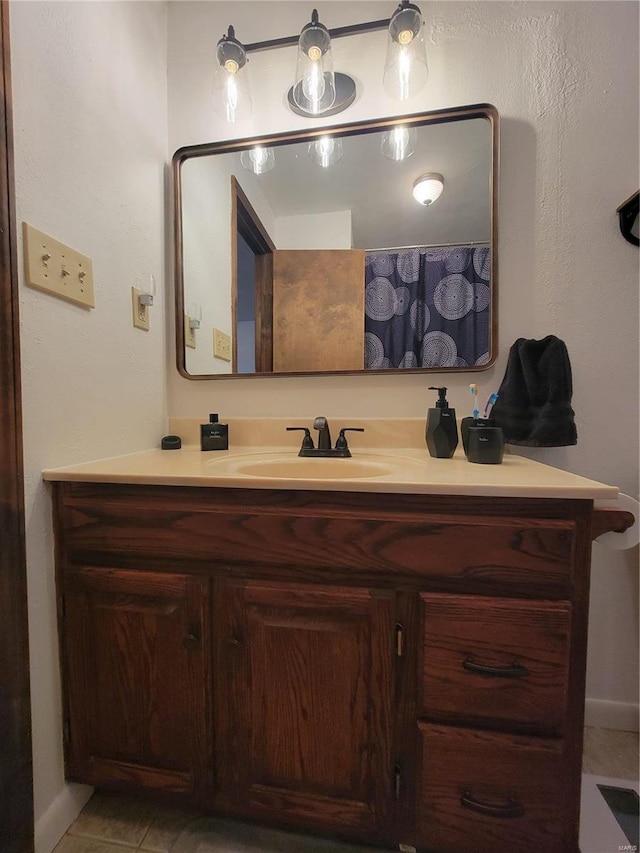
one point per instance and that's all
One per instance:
(628, 218)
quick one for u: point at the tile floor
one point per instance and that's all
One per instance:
(115, 824)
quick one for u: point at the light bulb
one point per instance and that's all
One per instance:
(399, 142)
(313, 85)
(258, 160)
(325, 151)
(231, 95)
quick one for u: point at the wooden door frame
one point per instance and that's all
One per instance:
(16, 774)
(246, 223)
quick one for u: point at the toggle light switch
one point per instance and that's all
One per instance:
(57, 269)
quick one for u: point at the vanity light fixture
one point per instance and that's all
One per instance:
(405, 70)
(399, 142)
(317, 90)
(325, 151)
(231, 94)
(258, 160)
(142, 296)
(428, 188)
(314, 87)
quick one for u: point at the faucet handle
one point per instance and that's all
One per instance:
(307, 441)
(341, 443)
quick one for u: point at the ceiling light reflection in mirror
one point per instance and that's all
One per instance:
(348, 189)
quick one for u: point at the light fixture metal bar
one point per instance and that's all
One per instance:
(339, 32)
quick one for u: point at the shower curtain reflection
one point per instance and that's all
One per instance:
(427, 307)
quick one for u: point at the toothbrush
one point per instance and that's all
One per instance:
(473, 388)
(490, 403)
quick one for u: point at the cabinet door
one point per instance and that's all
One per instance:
(303, 730)
(136, 647)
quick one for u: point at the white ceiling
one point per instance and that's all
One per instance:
(377, 191)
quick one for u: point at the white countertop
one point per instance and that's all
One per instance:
(407, 470)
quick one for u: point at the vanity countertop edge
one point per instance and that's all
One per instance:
(415, 473)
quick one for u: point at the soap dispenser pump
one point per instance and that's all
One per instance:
(442, 430)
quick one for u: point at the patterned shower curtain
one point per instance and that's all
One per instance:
(427, 307)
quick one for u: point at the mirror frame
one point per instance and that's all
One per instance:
(463, 113)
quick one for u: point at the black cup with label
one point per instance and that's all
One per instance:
(485, 445)
(472, 422)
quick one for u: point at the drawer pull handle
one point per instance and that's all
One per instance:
(512, 671)
(512, 808)
(190, 641)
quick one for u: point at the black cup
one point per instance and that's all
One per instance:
(485, 445)
(466, 423)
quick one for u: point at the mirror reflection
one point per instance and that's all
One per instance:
(368, 247)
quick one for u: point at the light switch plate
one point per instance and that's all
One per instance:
(221, 345)
(57, 269)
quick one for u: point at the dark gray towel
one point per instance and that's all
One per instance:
(534, 403)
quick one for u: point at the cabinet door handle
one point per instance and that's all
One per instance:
(515, 670)
(190, 641)
(512, 808)
(234, 641)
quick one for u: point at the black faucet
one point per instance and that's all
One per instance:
(324, 449)
(324, 434)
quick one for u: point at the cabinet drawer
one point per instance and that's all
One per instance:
(484, 792)
(495, 662)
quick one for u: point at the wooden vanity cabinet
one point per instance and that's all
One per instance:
(392, 669)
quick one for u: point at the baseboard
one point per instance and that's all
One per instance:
(601, 714)
(59, 816)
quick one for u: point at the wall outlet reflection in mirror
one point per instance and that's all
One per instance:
(221, 345)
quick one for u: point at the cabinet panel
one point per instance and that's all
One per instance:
(308, 676)
(495, 662)
(453, 552)
(490, 793)
(136, 649)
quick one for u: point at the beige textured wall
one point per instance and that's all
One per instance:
(90, 127)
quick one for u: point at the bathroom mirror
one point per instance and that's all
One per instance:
(307, 252)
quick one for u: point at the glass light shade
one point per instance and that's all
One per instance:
(258, 160)
(314, 87)
(145, 284)
(399, 142)
(231, 93)
(325, 151)
(428, 188)
(405, 70)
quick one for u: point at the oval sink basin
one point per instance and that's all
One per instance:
(312, 469)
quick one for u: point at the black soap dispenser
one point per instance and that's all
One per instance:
(214, 435)
(442, 429)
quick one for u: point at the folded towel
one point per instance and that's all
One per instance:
(534, 403)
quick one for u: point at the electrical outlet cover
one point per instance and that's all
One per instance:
(140, 312)
(221, 345)
(57, 269)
